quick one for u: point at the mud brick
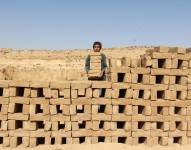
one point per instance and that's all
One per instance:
(162, 49)
(60, 101)
(140, 70)
(39, 84)
(159, 79)
(80, 84)
(122, 139)
(121, 101)
(121, 117)
(39, 137)
(81, 140)
(96, 54)
(4, 83)
(61, 137)
(3, 125)
(97, 101)
(5, 140)
(64, 93)
(161, 71)
(59, 117)
(81, 101)
(39, 117)
(54, 93)
(135, 63)
(96, 58)
(160, 126)
(60, 85)
(124, 109)
(121, 126)
(120, 69)
(101, 124)
(81, 92)
(47, 92)
(34, 92)
(4, 100)
(18, 116)
(82, 132)
(81, 117)
(101, 84)
(179, 80)
(179, 50)
(17, 124)
(159, 55)
(19, 141)
(96, 93)
(97, 109)
(81, 125)
(177, 87)
(88, 93)
(101, 117)
(4, 92)
(3, 117)
(39, 106)
(3, 109)
(141, 86)
(120, 86)
(19, 83)
(105, 139)
(176, 72)
(74, 93)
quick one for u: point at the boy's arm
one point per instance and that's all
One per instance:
(104, 64)
(87, 63)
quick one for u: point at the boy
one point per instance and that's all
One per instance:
(97, 46)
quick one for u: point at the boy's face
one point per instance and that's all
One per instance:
(97, 48)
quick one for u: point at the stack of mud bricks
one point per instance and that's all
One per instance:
(95, 64)
(147, 100)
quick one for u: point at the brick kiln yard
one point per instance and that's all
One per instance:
(46, 101)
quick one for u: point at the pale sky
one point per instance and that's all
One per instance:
(62, 24)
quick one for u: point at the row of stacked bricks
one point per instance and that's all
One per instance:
(95, 64)
(34, 113)
(160, 100)
(146, 101)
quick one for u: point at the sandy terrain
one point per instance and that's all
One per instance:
(105, 147)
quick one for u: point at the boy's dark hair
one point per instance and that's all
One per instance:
(97, 43)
